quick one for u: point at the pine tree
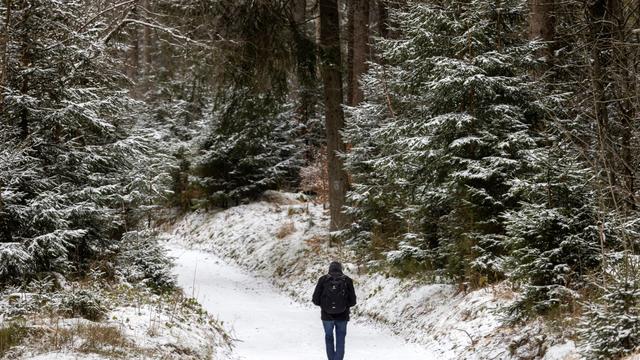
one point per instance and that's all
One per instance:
(552, 239)
(252, 147)
(142, 259)
(610, 327)
(16, 170)
(67, 138)
(456, 112)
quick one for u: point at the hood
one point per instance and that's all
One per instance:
(335, 268)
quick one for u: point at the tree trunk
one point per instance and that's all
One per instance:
(624, 78)
(305, 59)
(305, 46)
(350, 42)
(133, 54)
(383, 18)
(542, 24)
(330, 58)
(4, 55)
(148, 46)
(360, 49)
(601, 37)
(26, 45)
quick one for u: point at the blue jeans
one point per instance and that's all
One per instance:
(337, 352)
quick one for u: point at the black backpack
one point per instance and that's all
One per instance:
(334, 295)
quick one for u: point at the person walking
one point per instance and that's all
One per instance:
(335, 295)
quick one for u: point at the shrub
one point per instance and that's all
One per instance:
(252, 147)
(84, 303)
(142, 259)
(610, 327)
(11, 334)
(285, 230)
(313, 178)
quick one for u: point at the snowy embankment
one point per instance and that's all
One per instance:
(138, 325)
(283, 239)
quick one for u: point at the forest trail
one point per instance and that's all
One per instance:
(268, 324)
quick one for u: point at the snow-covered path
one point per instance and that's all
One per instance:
(270, 326)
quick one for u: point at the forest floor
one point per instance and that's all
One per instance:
(255, 266)
(269, 325)
(139, 325)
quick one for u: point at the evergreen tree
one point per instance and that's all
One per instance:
(16, 172)
(252, 148)
(455, 112)
(552, 239)
(66, 133)
(610, 328)
(142, 259)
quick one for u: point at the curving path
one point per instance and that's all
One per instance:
(268, 324)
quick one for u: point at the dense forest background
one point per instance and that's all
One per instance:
(462, 141)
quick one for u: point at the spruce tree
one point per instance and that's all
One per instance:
(251, 148)
(610, 327)
(452, 111)
(552, 239)
(67, 136)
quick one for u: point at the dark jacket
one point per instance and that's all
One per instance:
(351, 294)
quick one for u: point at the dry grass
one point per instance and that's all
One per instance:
(314, 177)
(102, 337)
(11, 335)
(504, 292)
(277, 198)
(91, 338)
(316, 242)
(285, 230)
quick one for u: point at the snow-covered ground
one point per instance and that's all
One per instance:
(269, 325)
(140, 325)
(282, 240)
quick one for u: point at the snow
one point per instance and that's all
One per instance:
(168, 333)
(445, 321)
(561, 351)
(145, 326)
(269, 325)
(59, 355)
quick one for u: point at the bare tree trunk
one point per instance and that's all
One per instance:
(305, 59)
(360, 49)
(305, 46)
(25, 59)
(601, 37)
(625, 55)
(330, 58)
(351, 5)
(4, 55)
(133, 54)
(624, 78)
(383, 18)
(542, 24)
(148, 46)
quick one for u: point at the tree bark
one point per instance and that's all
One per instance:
(383, 18)
(330, 58)
(4, 55)
(350, 42)
(601, 37)
(148, 46)
(305, 59)
(626, 88)
(360, 49)
(133, 54)
(542, 24)
(306, 78)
